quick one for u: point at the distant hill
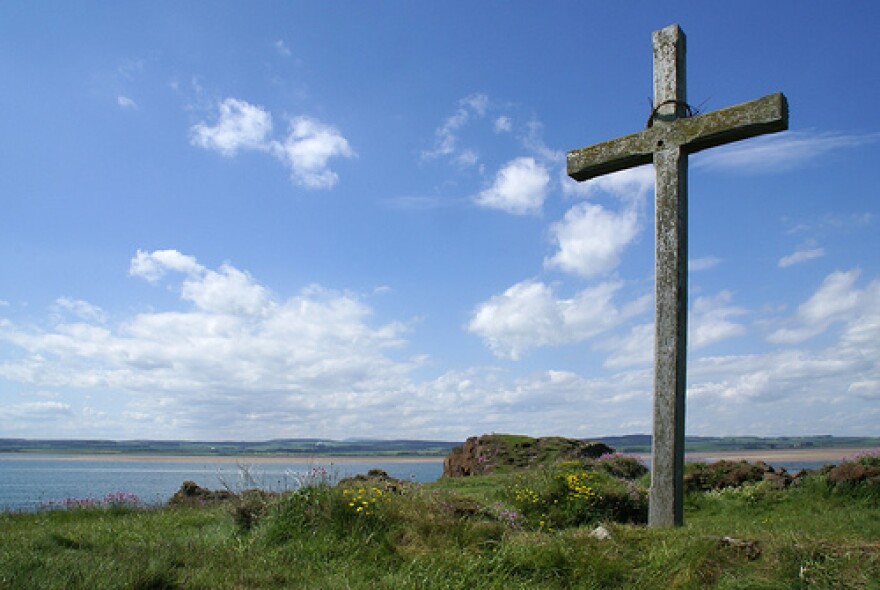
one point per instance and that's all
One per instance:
(313, 447)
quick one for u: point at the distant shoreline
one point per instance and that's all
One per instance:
(831, 455)
(245, 459)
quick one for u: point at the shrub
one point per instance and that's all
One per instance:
(721, 474)
(249, 507)
(571, 494)
(116, 501)
(622, 466)
(859, 475)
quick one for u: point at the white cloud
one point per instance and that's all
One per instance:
(520, 187)
(80, 309)
(503, 124)
(34, 411)
(235, 351)
(835, 300)
(446, 136)
(636, 348)
(779, 151)
(125, 102)
(228, 291)
(307, 150)
(631, 184)
(152, 265)
(478, 103)
(591, 239)
(234, 360)
(801, 256)
(704, 263)
(529, 315)
(240, 125)
(709, 320)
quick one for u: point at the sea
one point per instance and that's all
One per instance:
(47, 481)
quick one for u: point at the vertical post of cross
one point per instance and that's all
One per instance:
(670, 336)
(673, 133)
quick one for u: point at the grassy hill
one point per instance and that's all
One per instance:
(537, 528)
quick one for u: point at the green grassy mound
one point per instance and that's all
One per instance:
(534, 529)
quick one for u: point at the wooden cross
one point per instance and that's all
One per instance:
(672, 133)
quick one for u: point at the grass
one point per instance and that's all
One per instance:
(526, 530)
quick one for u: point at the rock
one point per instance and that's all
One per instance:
(852, 473)
(751, 549)
(190, 493)
(375, 478)
(722, 474)
(601, 533)
(778, 479)
(488, 453)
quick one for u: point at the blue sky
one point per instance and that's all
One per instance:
(348, 219)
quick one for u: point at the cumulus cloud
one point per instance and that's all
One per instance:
(800, 256)
(629, 184)
(306, 150)
(529, 315)
(153, 265)
(633, 349)
(233, 359)
(35, 411)
(240, 125)
(520, 187)
(235, 345)
(591, 239)
(835, 300)
(710, 320)
(80, 309)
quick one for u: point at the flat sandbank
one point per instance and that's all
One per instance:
(831, 455)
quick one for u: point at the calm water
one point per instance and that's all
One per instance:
(26, 484)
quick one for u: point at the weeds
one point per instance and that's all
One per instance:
(530, 530)
(572, 494)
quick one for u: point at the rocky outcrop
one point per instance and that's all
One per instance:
(490, 453)
(192, 494)
(851, 473)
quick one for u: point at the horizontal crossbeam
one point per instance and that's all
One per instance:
(693, 134)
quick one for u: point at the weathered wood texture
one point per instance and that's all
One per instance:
(671, 136)
(749, 119)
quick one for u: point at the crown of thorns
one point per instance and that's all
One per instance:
(689, 110)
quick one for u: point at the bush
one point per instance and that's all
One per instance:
(571, 494)
(721, 474)
(859, 475)
(622, 466)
